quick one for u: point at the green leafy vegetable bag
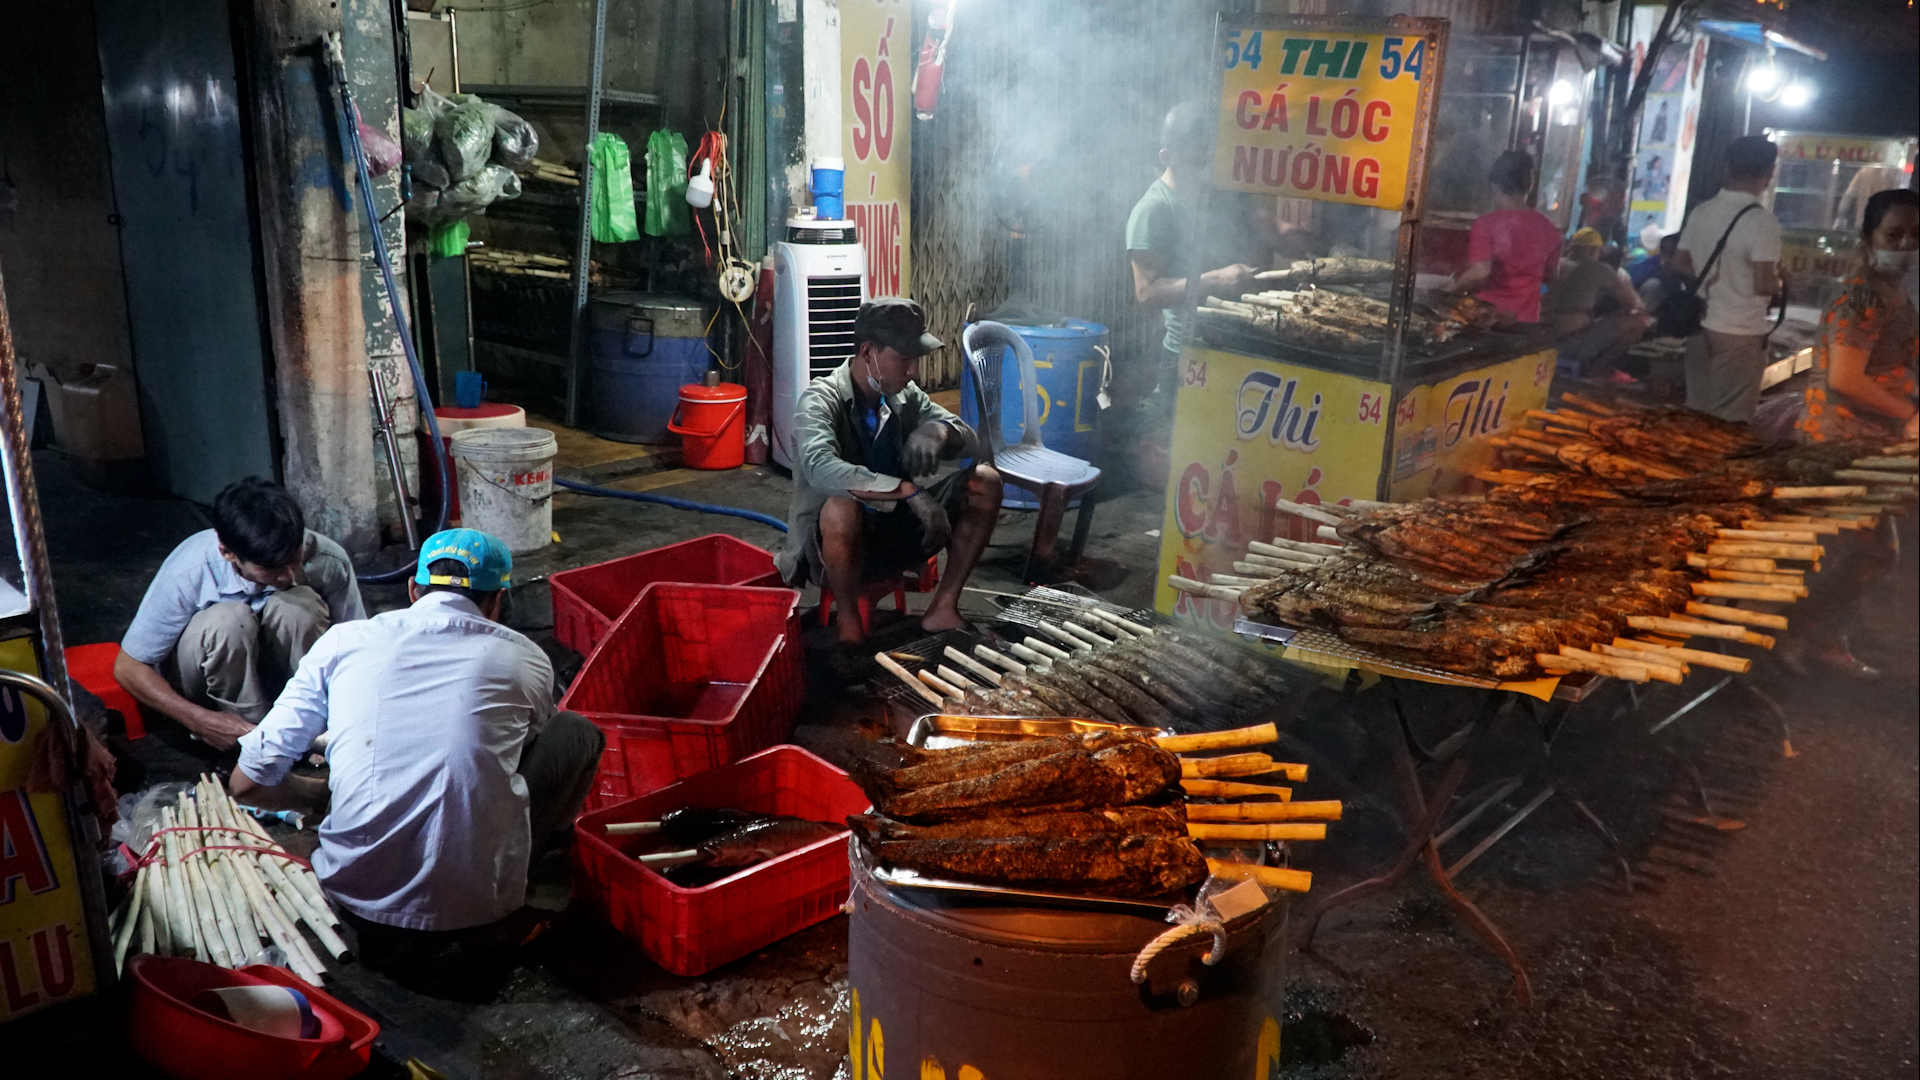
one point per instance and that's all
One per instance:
(613, 213)
(449, 238)
(667, 185)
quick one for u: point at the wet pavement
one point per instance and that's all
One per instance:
(1787, 947)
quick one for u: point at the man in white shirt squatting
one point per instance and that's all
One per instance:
(448, 766)
(232, 611)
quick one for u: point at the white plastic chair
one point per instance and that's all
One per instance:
(1057, 477)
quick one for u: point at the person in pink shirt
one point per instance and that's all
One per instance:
(1514, 249)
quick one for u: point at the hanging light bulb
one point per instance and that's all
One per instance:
(1763, 78)
(1797, 94)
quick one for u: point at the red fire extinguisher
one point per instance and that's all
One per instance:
(933, 60)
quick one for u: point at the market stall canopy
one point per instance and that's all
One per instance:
(1751, 33)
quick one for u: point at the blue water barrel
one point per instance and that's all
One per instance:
(646, 346)
(1069, 361)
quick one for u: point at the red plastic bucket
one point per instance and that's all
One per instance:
(712, 424)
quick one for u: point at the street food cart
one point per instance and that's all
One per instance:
(1272, 407)
(1820, 191)
(52, 912)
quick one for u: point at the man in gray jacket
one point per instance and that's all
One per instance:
(867, 440)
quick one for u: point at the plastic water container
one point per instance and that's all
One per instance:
(829, 188)
(1070, 362)
(452, 420)
(506, 484)
(645, 347)
(712, 424)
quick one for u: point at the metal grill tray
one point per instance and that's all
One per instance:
(1318, 644)
(908, 879)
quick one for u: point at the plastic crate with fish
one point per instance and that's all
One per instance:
(692, 930)
(690, 677)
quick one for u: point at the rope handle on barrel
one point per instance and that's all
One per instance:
(1173, 937)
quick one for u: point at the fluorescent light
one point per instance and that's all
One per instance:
(1763, 79)
(1560, 93)
(1797, 94)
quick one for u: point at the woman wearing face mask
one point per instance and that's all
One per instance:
(1863, 379)
(1862, 386)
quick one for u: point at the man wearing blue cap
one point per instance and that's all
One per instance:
(448, 766)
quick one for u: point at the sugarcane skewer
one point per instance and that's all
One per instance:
(1234, 831)
(1013, 667)
(979, 670)
(1316, 810)
(1273, 877)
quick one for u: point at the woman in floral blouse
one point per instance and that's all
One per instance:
(1862, 386)
(1863, 379)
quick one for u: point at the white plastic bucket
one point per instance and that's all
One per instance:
(506, 484)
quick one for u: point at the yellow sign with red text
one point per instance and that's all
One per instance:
(45, 956)
(876, 91)
(1323, 114)
(1441, 431)
(1247, 432)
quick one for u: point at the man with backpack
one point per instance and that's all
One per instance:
(1732, 243)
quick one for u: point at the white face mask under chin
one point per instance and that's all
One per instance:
(1893, 262)
(873, 384)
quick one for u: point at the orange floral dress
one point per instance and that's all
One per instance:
(1874, 315)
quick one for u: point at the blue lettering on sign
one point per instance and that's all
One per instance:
(13, 715)
(1292, 422)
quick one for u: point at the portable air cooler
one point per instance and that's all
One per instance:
(819, 282)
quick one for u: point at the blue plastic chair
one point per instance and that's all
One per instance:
(1057, 478)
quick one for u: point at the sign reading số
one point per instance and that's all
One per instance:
(1322, 114)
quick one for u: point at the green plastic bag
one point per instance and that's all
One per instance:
(612, 190)
(667, 185)
(449, 238)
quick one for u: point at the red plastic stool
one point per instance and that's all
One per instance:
(92, 667)
(925, 580)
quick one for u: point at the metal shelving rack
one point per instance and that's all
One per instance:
(596, 96)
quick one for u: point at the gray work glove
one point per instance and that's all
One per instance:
(921, 457)
(933, 519)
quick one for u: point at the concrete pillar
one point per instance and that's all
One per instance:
(311, 250)
(367, 41)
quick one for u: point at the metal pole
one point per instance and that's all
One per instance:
(583, 258)
(29, 538)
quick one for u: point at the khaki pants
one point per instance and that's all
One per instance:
(236, 661)
(1723, 374)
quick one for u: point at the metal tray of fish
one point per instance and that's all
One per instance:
(1574, 688)
(908, 879)
(939, 731)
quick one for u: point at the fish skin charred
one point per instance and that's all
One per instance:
(1127, 865)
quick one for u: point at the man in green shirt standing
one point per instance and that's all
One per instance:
(1160, 234)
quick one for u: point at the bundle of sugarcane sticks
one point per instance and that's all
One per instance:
(215, 887)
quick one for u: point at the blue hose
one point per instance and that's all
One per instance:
(351, 134)
(677, 504)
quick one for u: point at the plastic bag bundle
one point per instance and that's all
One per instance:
(463, 154)
(464, 136)
(514, 142)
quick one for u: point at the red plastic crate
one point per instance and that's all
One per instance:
(691, 677)
(692, 931)
(586, 601)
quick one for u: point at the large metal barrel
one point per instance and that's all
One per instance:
(954, 986)
(1070, 364)
(645, 348)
